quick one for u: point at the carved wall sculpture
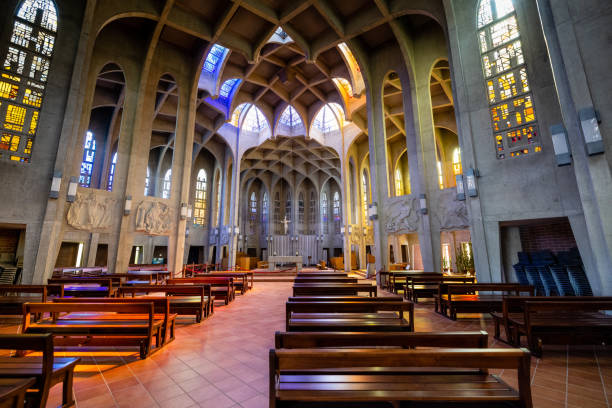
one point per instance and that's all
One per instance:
(154, 218)
(91, 212)
(451, 213)
(401, 215)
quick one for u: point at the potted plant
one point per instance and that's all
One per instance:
(464, 261)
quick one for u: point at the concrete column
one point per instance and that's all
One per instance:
(93, 249)
(345, 191)
(234, 210)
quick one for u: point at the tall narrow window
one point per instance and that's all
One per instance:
(457, 161)
(337, 217)
(364, 196)
(199, 205)
(167, 184)
(24, 77)
(324, 214)
(264, 213)
(253, 212)
(301, 212)
(440, 175)
(288, 210)
(312, 213)
(218, 203)
(147, 190)
(511, 101)
(89, 156)
(399, 183)
(111, 173)
(277, 213)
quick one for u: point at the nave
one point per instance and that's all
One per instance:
(223, 361)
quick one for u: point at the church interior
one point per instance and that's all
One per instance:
(305, 203)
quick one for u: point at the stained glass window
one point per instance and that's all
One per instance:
(200, 202)
(227, 89)
(364, 195)
(457, 161)
(111, 173)
(167, 184)
(301, 212)
(264, 213)
(23, 77)
(147, 192)
(89, 157)
(324, 213)
(288, 207)
(329, 118)
(312, 213)
(277, 212)
(399, 183)
(217, 216)
(511, 103)
(253, 211)
(254, 121)
(215, 58)
(336, 209)
(290, 117)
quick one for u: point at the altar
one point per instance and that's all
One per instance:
(274, 260)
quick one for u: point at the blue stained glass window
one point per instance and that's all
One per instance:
(111, 173)
(89, 156)
(327, 120)
(215, 57)
(227, 87)
(290, 117)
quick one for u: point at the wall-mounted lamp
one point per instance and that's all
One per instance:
(460, 187)
(183, 211)
(470, 179)
(423, 203)
(127, 208)
(589, 123)
(373, 211)
(72, 189)
(56, 184)
(561, 145)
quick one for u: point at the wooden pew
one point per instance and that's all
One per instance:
(221, 288)
(462, 298)
(293, 340)
(565, 322)
(161, 307)
(339, 377)
(325, 280)
(46, 370)
(12, 297)
(322, 274)
(86, 286)
(393, 298)
(13, 391)
(137, 326)
(184, 299)
(420, 286)
(394, 280)
(349, 316)
(243, 281)
(513, 308)
(331, 289)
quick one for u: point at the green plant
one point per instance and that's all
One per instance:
(464, 260)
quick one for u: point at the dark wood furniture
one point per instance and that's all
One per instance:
(191, 300)
(12, 297)
(13, 391)
(394, 280)
(135, 324)
(243, 281)
(46, 370)
(332, 289)
(355, 377)
(349, 316)
(426, 287)
(161, 307)
(393, 298)
(322, 274)
(292, 340)
(467, 298)
(221, 287)
(85, 286)
(325, 279)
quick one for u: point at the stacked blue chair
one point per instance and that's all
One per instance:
(579, 280)
(562, 279)
(533, 275)
(550, 286)
(521, 276)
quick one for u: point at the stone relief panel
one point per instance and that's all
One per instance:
(91, 212)
(451, 213)
(401, 215)
(154, 218)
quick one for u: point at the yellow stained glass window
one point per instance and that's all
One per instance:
(15, 118)
(9, 141)
(32, 98)
(8, 90)
(34, 123)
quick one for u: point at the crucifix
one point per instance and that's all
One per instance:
(286, 222)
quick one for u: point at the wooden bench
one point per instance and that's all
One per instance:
(12, 297)
(513, 308)
(322, 274)
(13, 391)
(292, 340)
(463, 298)
(194, 300)
(221, 288)
(331, 289)
(348, 316)
(136, 324)
(161, 306)
(394, 280)
(86, 286)
(426, 287)
(243, 281)
(46, 370)
(564, 322)
(325, 279)
(345, 299)
(356, 377)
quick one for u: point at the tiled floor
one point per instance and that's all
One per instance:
(222, 362)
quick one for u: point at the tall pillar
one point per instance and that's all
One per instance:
(234, 210)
